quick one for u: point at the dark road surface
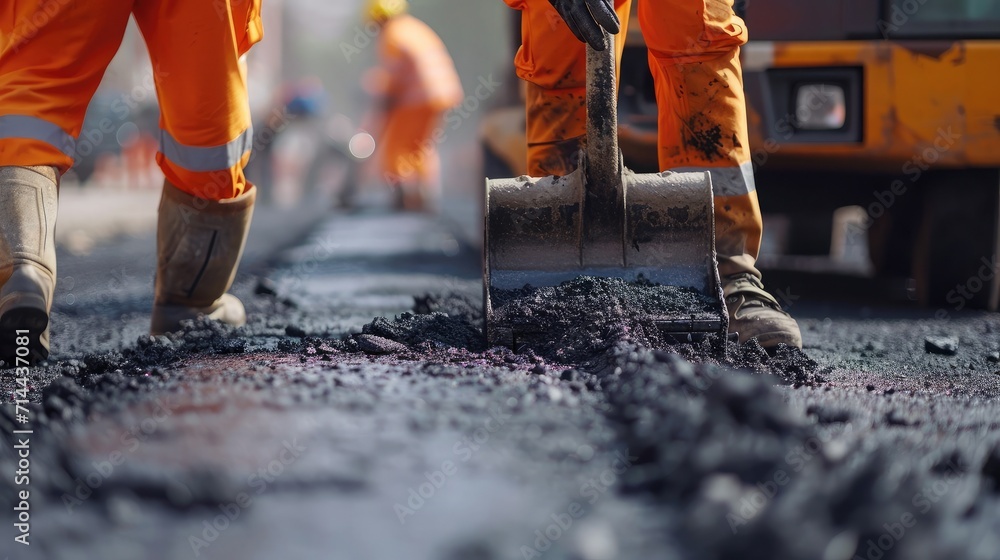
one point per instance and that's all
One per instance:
(314, 432)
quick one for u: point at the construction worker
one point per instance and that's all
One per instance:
(694, 48)
(414, 86)
(53, 54)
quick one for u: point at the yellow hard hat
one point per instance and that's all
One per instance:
(381, 10)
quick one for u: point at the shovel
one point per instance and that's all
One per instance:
(602, 220)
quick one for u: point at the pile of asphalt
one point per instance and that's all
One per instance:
(717, 440)
(585, 317)
(755, 480)
(734, 469)
(579, 324)
(138, 360)
(583, 321)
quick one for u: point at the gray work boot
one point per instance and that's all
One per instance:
(28, 204)
(199, 245)
(754, 313)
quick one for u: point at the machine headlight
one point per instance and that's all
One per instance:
(820, 107)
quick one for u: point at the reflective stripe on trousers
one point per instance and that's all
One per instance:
(728, 181)
(34, 128)
(214, 158)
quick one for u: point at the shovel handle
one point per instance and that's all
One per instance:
(604, 202)
(603, 177)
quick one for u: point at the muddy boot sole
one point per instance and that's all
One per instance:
(35, 322)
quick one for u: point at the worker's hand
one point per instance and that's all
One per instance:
(587, 19)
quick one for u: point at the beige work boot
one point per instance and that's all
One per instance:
(754, 313)
(199, 245)
(28, 204)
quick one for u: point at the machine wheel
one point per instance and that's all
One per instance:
(957, 248)
(891, 236)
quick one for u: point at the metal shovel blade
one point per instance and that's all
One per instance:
(535, 236)
(602, 220)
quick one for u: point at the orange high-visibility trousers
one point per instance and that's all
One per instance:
(53, 54)
(694, 50)
(408, 151)
(419, 83)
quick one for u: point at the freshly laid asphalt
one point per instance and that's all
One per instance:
(316, 432)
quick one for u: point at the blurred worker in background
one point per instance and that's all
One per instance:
(52, 58)
(694, 48)
(297, 102)
(413, 87)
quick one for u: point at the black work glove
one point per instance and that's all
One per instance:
(587, 19)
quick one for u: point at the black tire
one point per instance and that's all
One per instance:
(957, 248)
(891, 236)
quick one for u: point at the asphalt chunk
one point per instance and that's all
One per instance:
(944, 345)
(372, 344)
